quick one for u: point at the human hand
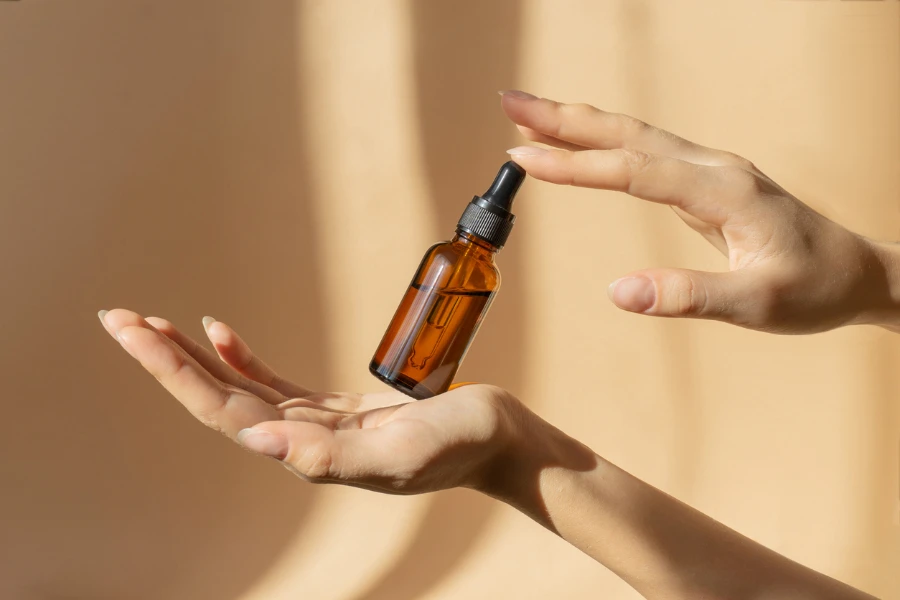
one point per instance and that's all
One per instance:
(791, 270)
(475, 436)
(379, 441)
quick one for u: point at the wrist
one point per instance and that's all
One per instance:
(883, 306)
(532, 450)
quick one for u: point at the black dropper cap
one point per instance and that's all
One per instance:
(488, 216)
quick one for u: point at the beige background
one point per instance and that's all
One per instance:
(282, 166)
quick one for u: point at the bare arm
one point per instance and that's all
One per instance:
(474, 436)
(660, 546)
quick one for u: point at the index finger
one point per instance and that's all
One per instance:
(220, 407)
(708, 193)
(588, 126)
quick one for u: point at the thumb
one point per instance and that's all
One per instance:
(680, 293)
(318, 450)
(308, 448)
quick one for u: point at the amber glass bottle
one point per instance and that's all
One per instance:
(449, 296)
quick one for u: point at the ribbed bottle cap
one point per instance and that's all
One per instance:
(488, 216)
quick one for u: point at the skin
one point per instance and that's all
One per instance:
(790, 271)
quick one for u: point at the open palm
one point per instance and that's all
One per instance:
(380, 441)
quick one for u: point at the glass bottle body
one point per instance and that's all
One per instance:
(438, 317)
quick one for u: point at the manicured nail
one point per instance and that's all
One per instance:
(266, 443)
(518, 94)
(634, 294)
(526, 151)
(207, 321)
(102, 315)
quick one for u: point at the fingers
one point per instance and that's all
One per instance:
(708, 193)
(685, 293)
(586, 126)
(540, 138)
(235, 352)
(315, 414)
(328, 446)
(217, 368)
(343, 404)
(221, 407)
(309, 448)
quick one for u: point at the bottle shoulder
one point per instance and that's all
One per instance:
(449, 265)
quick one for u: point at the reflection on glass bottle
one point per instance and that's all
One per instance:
(447, 313)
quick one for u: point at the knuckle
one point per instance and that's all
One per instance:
(172, 362)
(685, 297)
(317, 465)
(737, 160)
(488, 393)
(637, 160)
(208, 419)
(559, 111)
(570, 114)
(741, 181)
(275, 381)
(579, 110)
(492, 391)
(496, 401)
(211, 416)
(631, 127)
(247, 363)
(244, 383)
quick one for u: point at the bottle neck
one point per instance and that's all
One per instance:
(475, 244)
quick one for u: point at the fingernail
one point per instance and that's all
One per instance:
(526, 151)
(207, 321)
(263, 442)
(518, 94)
(634, 294)
(102, 315)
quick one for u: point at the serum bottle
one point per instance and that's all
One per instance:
(449, 296)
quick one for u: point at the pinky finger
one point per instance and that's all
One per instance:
(236, 353)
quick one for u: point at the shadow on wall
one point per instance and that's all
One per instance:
(638, 29)
(181, 170)
(465, 52)
(154, 148)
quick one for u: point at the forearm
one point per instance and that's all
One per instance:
(657, 544)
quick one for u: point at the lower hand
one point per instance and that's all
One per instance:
(379, 441)
(474, 436)
(791, 270)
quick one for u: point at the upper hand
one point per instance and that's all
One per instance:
(380, 441)
(791, 270)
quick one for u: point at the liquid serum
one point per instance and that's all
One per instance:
(450, 293)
